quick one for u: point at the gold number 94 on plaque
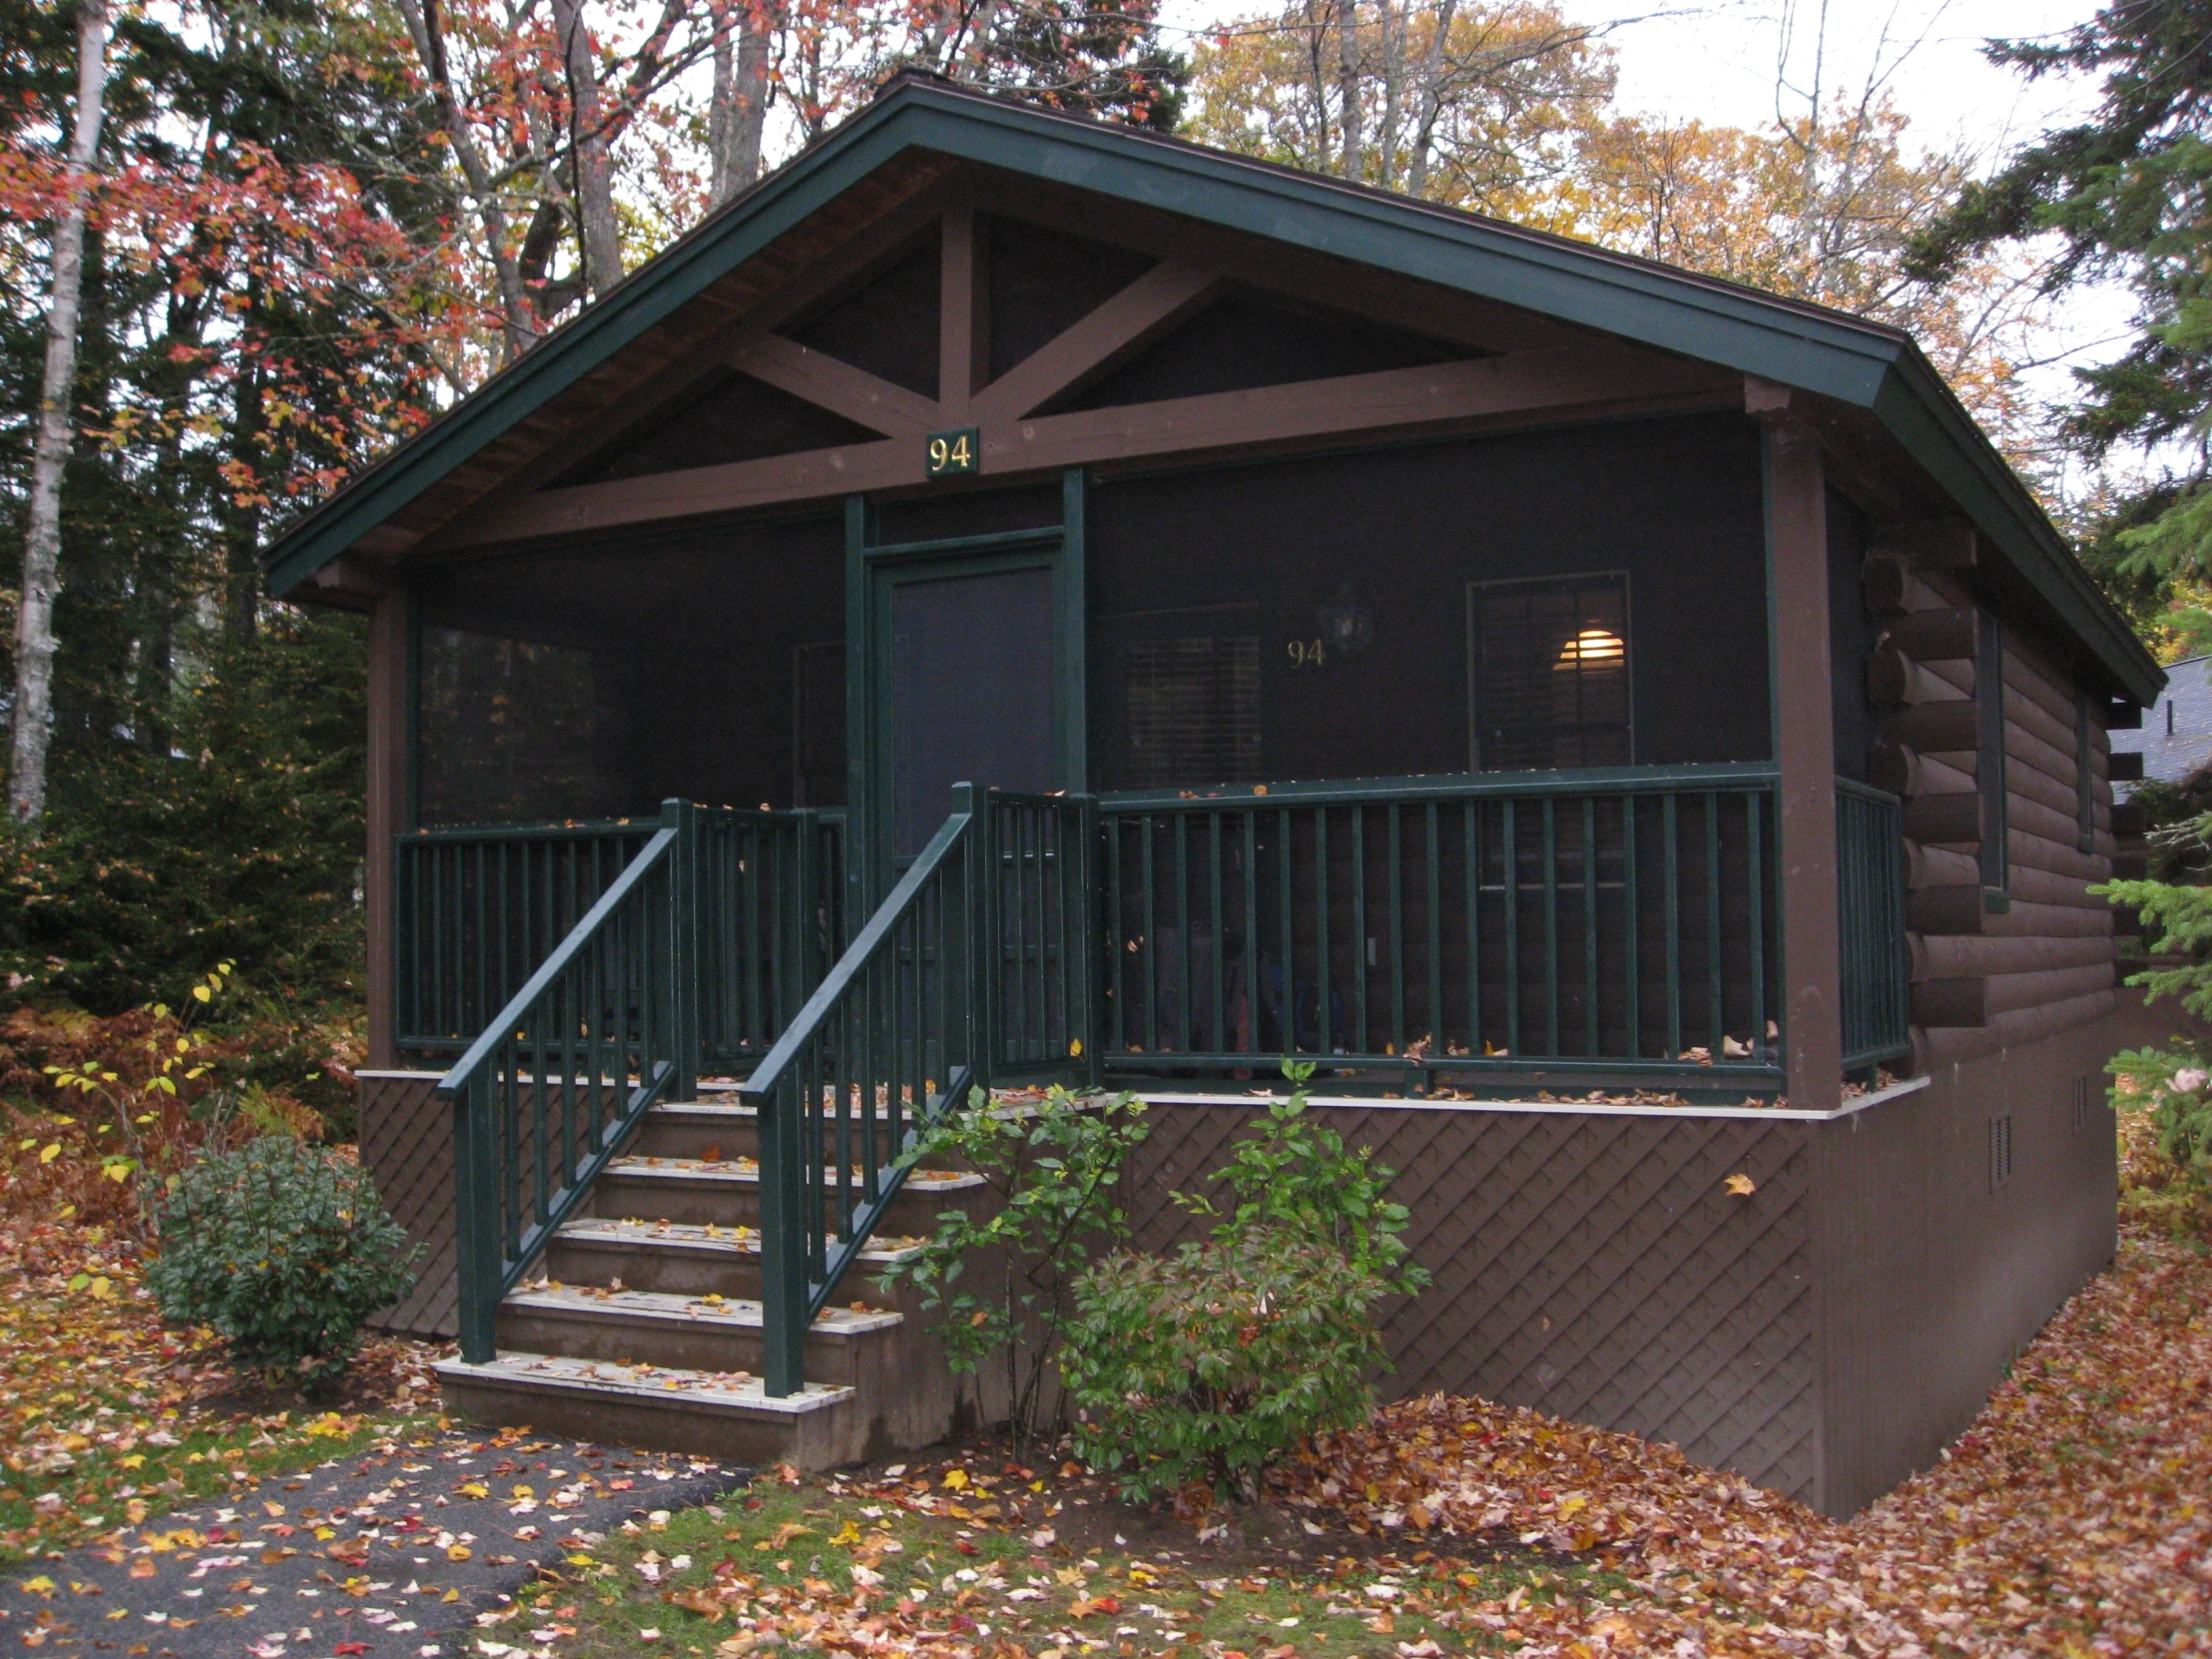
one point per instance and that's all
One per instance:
(954, 452)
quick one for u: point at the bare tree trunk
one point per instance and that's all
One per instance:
(1317, 36)
(594, 190)
(738, 113)
(1394, 17)
(518, 324)
(1429, 100)
(1347, 86)
(42, 542)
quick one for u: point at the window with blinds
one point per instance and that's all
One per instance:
(1193, 710)
(1548, 669)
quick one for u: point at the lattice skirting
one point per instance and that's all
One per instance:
(407, 1144)
(1823, 1335)
(1593, 1267)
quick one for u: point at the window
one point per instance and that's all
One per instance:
(2085, 794)
(1990, 780)
(1194, 710)
(2000, 1150)
(1178, 697)
(1548, 673)
(512, 731)
(2079, 1118)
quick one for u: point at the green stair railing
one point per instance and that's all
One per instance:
(975, 967)
(567, 1070)
(883, 1049)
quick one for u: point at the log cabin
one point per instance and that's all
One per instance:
(1011, 600)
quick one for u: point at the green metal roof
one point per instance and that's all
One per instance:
(1805, 347)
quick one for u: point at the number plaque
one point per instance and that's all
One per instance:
(948, 453)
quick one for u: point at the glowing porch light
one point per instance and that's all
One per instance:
(1592, 648)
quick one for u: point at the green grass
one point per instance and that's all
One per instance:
(783, 1538)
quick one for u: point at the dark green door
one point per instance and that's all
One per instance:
(971, 690)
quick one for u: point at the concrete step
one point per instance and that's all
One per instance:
(715, 1128)
(695, 1260)
(727, 1193)
(583, 1321)
(668, 1408)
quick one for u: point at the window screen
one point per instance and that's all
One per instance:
(1548, 664)
(1194, 710)
(817, 724)
(511, 731)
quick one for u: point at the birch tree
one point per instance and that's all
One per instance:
(42, 542)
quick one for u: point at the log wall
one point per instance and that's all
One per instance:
(2039, 960)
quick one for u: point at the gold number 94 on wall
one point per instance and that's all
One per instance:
(953, 452)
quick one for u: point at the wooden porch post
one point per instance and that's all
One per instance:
(1805, 749)
(386, 810)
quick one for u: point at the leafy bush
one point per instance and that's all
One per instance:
(1215, 1361)
(101, 1112)
(1209, 1363)
(283, 1248)
(1294, 1174)
(1055, 1171)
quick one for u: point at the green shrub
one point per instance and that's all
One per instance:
(1055, 1171)
(1215, 1361)
(1293, 1173)
(1209, 1363)
(283, 1250)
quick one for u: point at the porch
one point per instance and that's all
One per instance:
(1498, 935)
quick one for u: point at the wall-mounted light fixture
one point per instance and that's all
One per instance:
(1346, 624)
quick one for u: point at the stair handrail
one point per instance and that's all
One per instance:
(606, 1019)
(872, 1014)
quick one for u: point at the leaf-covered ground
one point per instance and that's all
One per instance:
(2073, 1520)
(107, 1419)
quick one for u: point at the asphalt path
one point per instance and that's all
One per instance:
(381, 1555)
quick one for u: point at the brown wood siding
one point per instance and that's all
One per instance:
(1983, 979)
(1586, 1265)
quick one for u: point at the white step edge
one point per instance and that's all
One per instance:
(644, 1385)
(665, 1308)
(745, 1172)
(724, 1111)
(693, 1238)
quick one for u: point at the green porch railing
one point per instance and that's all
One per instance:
(566, 1071)
(1606, 920)
(480, 906)
(1041, 998)
(1870, 911)
(769, 912)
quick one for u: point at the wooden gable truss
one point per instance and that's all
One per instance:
(1516, 370)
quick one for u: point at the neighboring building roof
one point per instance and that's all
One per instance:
(1861, 365)
(2176, 739)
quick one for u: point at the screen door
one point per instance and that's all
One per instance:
(972, 692)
